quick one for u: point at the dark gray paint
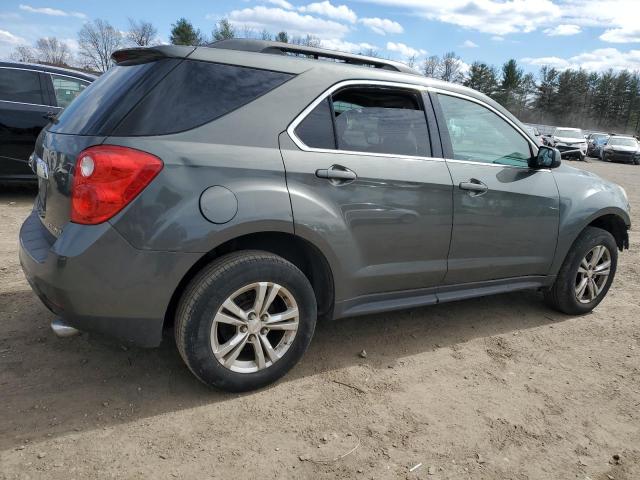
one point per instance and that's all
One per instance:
(386, 236)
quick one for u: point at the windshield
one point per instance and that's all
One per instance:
(623, 142)
(566, 133)
(599, 136)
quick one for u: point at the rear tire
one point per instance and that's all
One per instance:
(572, 290)
(264, 333)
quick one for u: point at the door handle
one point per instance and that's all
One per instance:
(474, 185)
(337, 174)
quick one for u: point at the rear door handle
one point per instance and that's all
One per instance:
(474, 185)
(337, 173)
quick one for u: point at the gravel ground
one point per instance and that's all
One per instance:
(494, 388)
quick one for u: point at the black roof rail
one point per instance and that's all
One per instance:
(280, 48)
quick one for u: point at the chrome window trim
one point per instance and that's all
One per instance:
(46, 72)
(418, 88)
(302, 115)
(69, 76)
(32, 104)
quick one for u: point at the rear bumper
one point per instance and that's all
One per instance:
(93, 278)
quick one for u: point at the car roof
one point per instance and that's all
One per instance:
(569, 128)
(49, 69)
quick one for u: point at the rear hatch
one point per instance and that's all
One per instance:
(89, 120)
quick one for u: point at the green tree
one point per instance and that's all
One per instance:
(184, 33)
(223, 30)
(483, 78)
(282, 37)
(512, 77)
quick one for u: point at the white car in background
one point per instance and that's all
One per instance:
(570, 141)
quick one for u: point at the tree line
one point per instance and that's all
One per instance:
(607, 101)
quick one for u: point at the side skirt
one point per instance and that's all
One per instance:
(385, 302)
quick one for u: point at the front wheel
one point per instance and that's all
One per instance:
(586, 274)
(245, 320)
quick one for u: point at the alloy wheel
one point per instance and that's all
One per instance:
(593, 274)
(254, 327)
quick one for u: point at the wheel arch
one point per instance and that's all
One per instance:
(302, 253)
(612, 219)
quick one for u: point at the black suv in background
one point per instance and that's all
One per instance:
(30, 95)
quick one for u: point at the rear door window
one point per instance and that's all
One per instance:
(382, 120)
(67, 88)
(20, 86)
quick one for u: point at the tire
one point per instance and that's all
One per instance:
(582, 157)
(563, 296)
(199, 332)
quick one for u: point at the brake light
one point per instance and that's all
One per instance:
(106, 179)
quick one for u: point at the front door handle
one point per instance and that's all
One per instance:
(337, 174)
(475, 186)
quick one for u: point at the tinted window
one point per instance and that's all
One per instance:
(381, 120)
(316, 130)
(195, 93)
(20, 86)
(479, 135)
(107, 100)
(67, 88)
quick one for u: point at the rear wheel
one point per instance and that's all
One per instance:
(586, 274)
(245, 320)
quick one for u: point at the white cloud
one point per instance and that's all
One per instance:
(54, 12)
(344, 46)
(469, 44)
(599, 60)
(327, 9)
(618, 18)
(281, 3)
(277, 19)
(8, 38)
(382, 26)
(497, 38)
(622, 35)
(497, 17)
(563, 30)
(405, 50)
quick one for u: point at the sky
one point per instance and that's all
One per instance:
(592, 34)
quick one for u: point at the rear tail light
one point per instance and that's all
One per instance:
(106, 179)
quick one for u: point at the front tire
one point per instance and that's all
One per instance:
(586, 274)
(245, 320)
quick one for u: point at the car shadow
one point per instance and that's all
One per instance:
(53, 386)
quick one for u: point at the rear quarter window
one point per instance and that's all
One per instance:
(195, 93)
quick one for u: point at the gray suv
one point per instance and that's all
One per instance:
(239, 192)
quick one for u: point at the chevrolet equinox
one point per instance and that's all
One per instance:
(239, 192)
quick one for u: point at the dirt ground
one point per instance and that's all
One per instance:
(494, 388)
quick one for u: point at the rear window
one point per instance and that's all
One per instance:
(195, 93)
(103, 104)
(20, 86)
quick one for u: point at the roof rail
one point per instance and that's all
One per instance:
(280, 48)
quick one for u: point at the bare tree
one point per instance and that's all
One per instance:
(370, 52)
(141, 33)
(307, 41)
(430, 66)
(265, 35)
(98, 40)
(53, 52)
(411, 61)
(23, 53)
(450, 68)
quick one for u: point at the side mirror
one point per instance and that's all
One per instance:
(547, 158)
